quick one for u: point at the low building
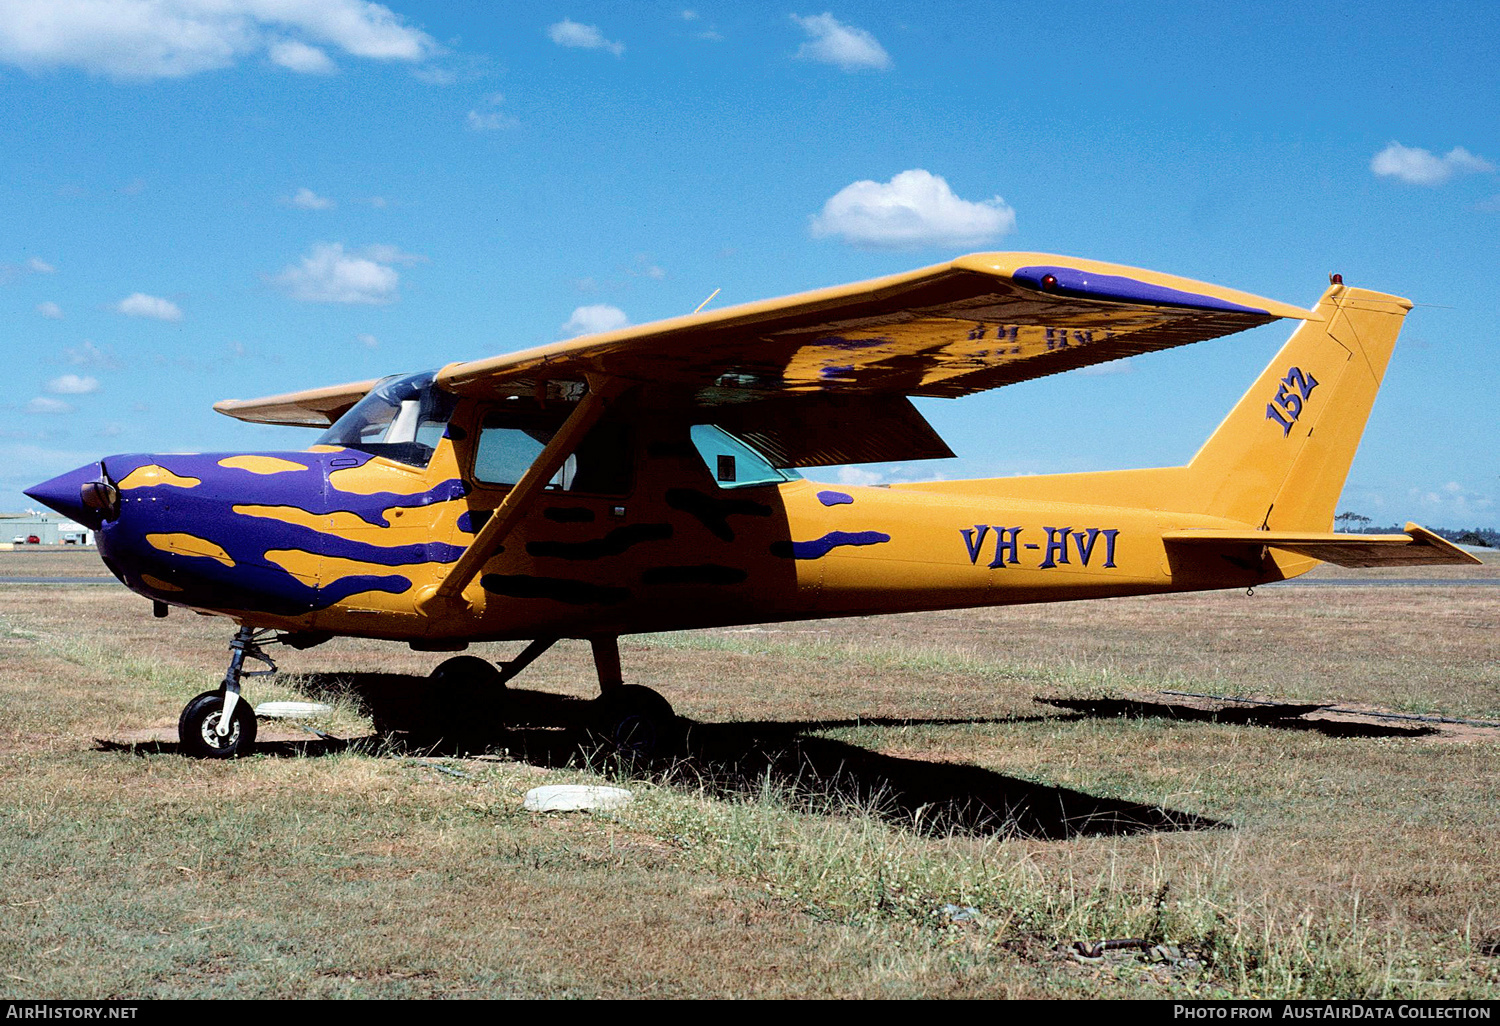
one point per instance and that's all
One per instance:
(31, 528)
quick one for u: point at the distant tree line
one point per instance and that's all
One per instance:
(1354, 523)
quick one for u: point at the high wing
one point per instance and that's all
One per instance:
(952, 329)
(790, 374)
(314, 407)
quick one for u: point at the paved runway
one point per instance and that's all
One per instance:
(1331, 582)
(1387, 582)
(58, 580)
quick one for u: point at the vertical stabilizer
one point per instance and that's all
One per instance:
(1280, 458)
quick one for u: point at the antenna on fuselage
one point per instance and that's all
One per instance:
(711, 295)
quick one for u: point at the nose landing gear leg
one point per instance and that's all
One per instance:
(216, 724)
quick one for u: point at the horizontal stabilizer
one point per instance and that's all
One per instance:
(1417, 547)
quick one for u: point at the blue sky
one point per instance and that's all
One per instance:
(231, 199)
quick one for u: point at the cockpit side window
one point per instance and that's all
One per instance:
(402, 419)
(510, 440)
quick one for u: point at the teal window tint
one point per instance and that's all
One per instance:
(504, 453)
(510, 443)
(732, 463)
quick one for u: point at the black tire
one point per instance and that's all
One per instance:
(463, 706)
(197, 728)
(469, 670)
(635, 722)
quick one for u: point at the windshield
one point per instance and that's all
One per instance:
(401, 419)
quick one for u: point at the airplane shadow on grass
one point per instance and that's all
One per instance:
(1279, 716)
(785, 758)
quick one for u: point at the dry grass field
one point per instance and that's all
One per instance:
(920, 806)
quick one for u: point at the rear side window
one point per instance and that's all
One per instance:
(732, 463)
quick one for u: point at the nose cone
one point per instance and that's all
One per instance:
(64, 494)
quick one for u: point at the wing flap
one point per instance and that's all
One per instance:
(1417, 547)
(828, 431)
(313, 407)
(952, 329)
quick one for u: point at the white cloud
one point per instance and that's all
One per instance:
(1452, 500)
(1491, 205)
(72, 384)
(1111, 367)
(830, 41)
(888, 473)
(590, 320)
(587, 37)
(644, 267)
(912, 210)
(491, 120)
(90, 355)
(38, 266)
(111, 431)
(384, 253)
(44, 404)
(306, 199)
(299, 57)
(368, 341)
(50, 310)
(329, 274)
(138, 304)
(147, 39)
(1421, 167)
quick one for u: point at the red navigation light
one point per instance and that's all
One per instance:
(1335, 279)
(1049, 281)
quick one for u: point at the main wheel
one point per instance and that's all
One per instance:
(197, 728)
(469, 670)
(636, 722)
(463, 705)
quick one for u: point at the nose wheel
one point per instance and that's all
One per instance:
(198, 728)
(216, 724)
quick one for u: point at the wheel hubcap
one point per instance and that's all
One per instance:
(635, 735)
(210, 731)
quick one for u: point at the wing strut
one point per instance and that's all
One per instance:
(519, 500)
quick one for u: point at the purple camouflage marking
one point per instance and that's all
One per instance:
(1087, 284)
(206, 510)
(820, 547)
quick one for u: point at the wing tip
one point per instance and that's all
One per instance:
(1006, 265)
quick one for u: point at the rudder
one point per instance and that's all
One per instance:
(1280, 459)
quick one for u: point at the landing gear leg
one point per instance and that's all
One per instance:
(636, 722)
(217, 724)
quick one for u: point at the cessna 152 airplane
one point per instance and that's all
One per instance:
(643, 480)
